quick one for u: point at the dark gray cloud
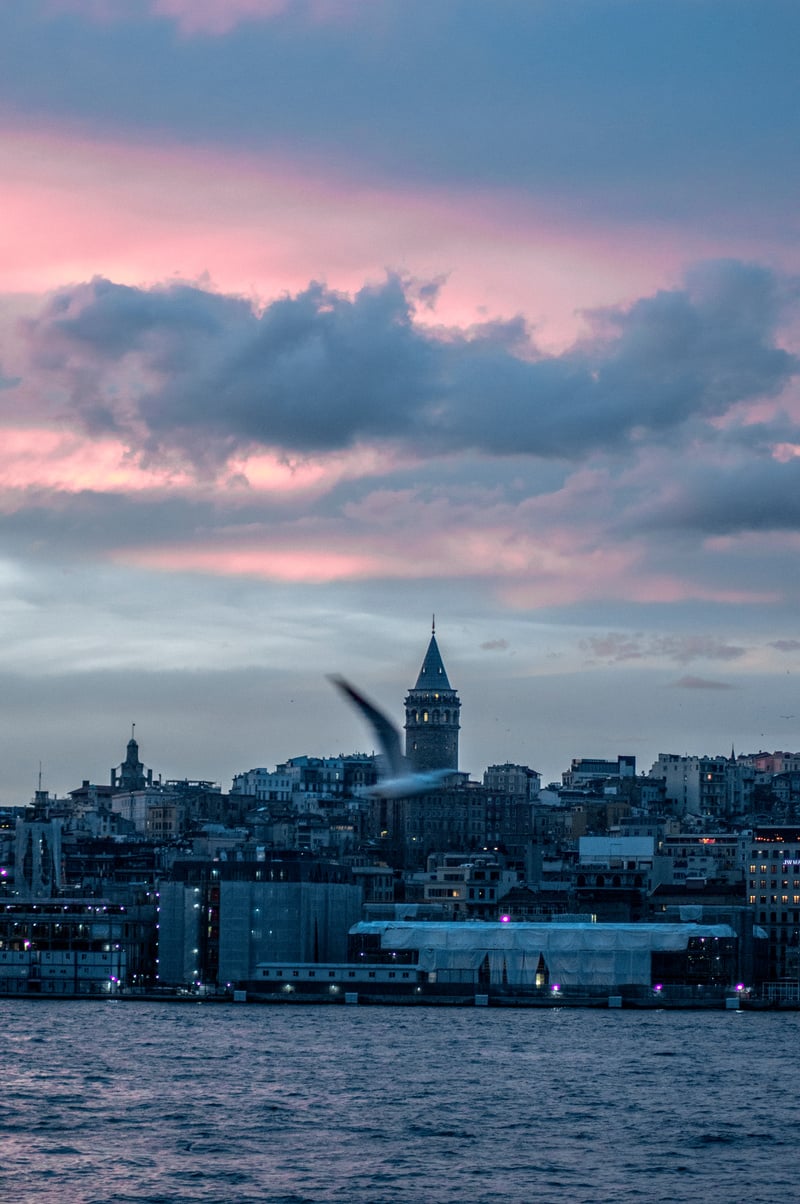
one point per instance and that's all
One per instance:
(786, 645)
(179, 368)
(754, 494)
(701, 683)
(615, 647)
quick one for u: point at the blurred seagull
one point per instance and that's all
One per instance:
(402, 780)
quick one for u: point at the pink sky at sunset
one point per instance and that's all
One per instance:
(141, 213)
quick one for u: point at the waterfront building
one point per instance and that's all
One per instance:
(560, 954)
(218, 920)
(37, 855)
(773, 892)
(75, 946)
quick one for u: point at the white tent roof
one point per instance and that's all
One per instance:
(575, 954)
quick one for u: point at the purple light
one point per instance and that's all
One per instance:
(658, 986)
(556, 988)
(740, 986)
(505, 919)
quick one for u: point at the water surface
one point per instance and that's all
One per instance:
(298, 1105)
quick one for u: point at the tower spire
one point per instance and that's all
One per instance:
(432, 714)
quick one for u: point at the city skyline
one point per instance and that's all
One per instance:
(318, 317)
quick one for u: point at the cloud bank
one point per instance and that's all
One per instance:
(178, 369)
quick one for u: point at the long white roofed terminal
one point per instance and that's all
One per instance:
(576, 954)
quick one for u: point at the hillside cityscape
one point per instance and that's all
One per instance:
(141, 884)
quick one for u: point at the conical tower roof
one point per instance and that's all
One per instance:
(432, 675)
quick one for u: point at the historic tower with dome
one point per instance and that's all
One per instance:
(432, 715)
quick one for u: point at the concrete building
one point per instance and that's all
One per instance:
(714, 787)
(518, 781)
(74, 946)
(466, 886)
(713, 857)
(218, 920)
(584, 770)
(773, 891)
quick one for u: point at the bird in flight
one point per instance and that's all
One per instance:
(400, 780)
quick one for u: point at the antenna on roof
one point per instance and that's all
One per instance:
(433, 625)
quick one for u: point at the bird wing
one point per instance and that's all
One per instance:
(387, 733)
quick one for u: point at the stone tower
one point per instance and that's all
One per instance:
(432, 715)
(131, 774)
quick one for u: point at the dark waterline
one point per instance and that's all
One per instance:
(155, 1103)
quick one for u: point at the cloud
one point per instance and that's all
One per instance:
(8, 382)
(759, 493)
(701, 683)
(786, 645)
(180, 369)
(494, 645)
(614, 648)
(209, 17)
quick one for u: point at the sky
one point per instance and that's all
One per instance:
(320, 317)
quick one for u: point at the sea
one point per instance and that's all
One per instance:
(155, 1102)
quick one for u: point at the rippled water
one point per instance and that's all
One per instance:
(191, 1102)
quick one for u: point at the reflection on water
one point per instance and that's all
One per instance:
(191, 1102)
